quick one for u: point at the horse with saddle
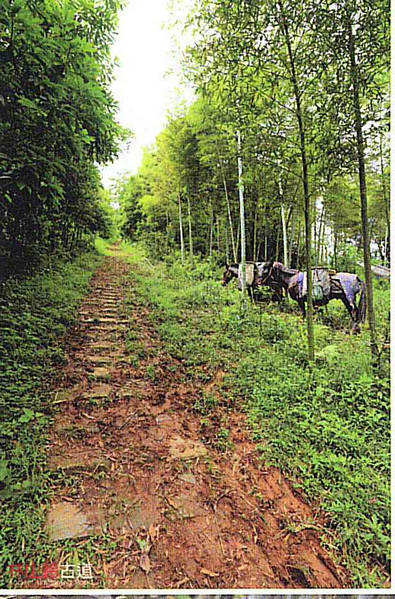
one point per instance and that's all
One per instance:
(326, 285)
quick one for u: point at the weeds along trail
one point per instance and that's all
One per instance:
(142, 494)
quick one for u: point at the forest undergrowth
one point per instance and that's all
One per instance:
(326, 426)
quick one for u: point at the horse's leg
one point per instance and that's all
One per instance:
(302, 306)
(353, 312)
(250, 293)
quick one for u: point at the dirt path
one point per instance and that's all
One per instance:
(183, 514)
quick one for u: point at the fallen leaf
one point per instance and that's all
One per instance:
(209, 573)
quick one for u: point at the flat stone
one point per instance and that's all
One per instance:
(100, 320)
(186, 448)
(98, 392)
(104, 330)
(67, 521)
(135, 516)
(163, 418)
(100, 373)
(141, 580)
(78, 463)
(95, 359)
(188, 477)
(100, 345)
(186, 506)
(75, 431)
(127, 393)
(64, 395)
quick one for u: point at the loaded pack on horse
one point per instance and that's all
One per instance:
(253, 269)
(327, 286)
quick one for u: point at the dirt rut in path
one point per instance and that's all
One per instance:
(183, 513)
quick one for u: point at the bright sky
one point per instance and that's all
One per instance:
(143, 86)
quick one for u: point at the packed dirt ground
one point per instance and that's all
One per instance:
(143, 471)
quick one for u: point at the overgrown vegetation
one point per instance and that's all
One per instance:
(35, 315)
(57, 123)
(326, 426)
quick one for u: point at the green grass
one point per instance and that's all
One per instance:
(326, 426)
(35, 315)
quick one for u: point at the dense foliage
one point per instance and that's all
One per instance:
(57, 122)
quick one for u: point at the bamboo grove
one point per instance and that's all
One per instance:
(57, 124)
(306, 89)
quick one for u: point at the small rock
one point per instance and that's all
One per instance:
(67, 521)
(98, 392)
(186, 448)
(78, 463)
(188, 477)
(100, 373)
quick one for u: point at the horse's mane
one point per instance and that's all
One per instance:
(288, 271)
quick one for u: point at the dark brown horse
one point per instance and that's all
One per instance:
(344, 286)
(232, 272)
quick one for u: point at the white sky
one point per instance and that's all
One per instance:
(145, 91)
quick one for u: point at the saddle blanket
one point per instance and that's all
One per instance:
(321, 283)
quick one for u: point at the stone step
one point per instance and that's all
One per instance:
(101, 345)
(68, 521)
(79, 463)
(65, 395)
(105, 319)
(98, 391)
(91, 313)
(100, 373)
(75, 431)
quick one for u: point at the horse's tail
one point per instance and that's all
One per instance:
(362, 303)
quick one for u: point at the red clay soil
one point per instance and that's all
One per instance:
(185, 512)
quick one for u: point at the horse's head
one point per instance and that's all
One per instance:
(231, 271)
(265, 272)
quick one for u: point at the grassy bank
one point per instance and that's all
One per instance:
(36, 314)
(327, 427)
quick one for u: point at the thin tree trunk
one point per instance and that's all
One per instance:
(237, 242)
(265, 247)
(298, 248)
(285, 239)
(284, 224)
(277, 244)
(190, 230)
(181, 230)
(242, 216)
(319, 240)
(211, 232)
(386, 205)
(228, 208)
(254, 249)
(362, 190)
(226, 245)
(306, 193)
(291, 240)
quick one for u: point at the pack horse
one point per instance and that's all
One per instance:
(253, 269)
(342, 286)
